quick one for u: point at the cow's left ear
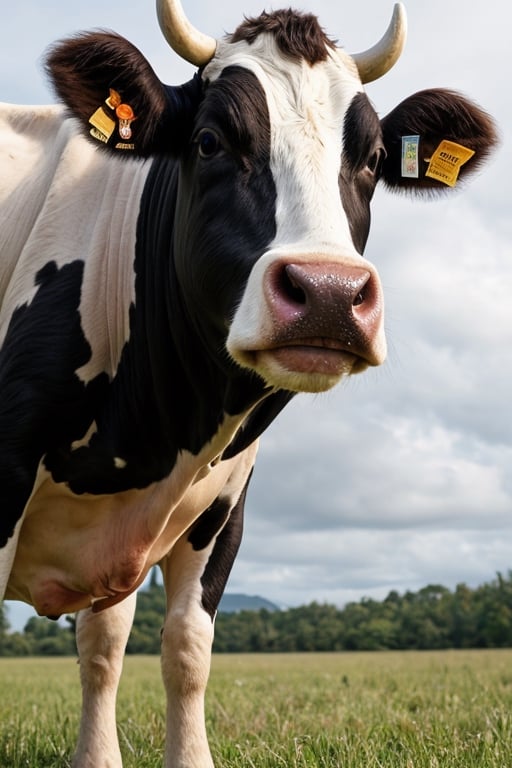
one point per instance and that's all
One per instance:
(433, 139)
(113, 91)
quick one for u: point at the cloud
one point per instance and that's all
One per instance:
(326, 469)
(357, 563)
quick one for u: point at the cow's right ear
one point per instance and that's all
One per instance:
(414, 131)
(111, 88)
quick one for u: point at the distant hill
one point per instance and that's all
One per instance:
(232, 603)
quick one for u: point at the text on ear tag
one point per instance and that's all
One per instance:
(447, 161)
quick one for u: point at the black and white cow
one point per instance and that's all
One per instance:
(175, 264)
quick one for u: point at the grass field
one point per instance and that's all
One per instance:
(371, 710)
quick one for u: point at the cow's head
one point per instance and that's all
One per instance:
(280, 152)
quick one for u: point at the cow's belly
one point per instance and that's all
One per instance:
(77, 549)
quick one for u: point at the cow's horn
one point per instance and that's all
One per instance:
(376, 61)
(186, 40)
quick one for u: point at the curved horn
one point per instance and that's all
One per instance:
(186, 40)
(376, 61)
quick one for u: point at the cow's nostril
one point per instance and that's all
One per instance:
(291, 288)
(359, 299)
(362, 290)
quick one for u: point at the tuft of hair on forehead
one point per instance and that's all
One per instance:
(298, 35)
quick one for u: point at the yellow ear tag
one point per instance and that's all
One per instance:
(447, 161)
(102, 125)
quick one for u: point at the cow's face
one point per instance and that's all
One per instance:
(279, 152)
(274, 207)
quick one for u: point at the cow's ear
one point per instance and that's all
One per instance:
(111, 88)
(413, 132)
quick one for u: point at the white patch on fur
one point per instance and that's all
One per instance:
(109, 278)
(86, 439)
(307, 107)
(7, 555)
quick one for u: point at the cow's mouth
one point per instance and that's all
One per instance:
(323, 358)
(318, 356)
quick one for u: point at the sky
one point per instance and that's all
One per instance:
(401, 476)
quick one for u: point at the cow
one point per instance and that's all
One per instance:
(176, 264)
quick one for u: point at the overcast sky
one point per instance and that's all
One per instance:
(402, 476)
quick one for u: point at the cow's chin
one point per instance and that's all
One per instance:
(304, 368)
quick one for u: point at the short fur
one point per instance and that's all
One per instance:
(298, 36)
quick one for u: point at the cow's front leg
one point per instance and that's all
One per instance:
(195, 574)
(186, 649)
(101, 641)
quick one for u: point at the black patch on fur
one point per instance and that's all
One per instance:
(298, 36)
(43, 401)
(257, 422)
(225, 221)
(360, 166)
(223, 556)
(210, 522)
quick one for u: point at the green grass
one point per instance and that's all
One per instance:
(361, 710)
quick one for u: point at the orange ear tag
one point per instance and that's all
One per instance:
(126, 116)
(114, 99)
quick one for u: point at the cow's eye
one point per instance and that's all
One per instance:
(374, 164)
(208, 142)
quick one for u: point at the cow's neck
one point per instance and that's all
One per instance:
(173, 383)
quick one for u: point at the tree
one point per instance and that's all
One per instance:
(149, 618)
(4, 628)
(433, 617)
(49, 638)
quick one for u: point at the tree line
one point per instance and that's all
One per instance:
(432, 618)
